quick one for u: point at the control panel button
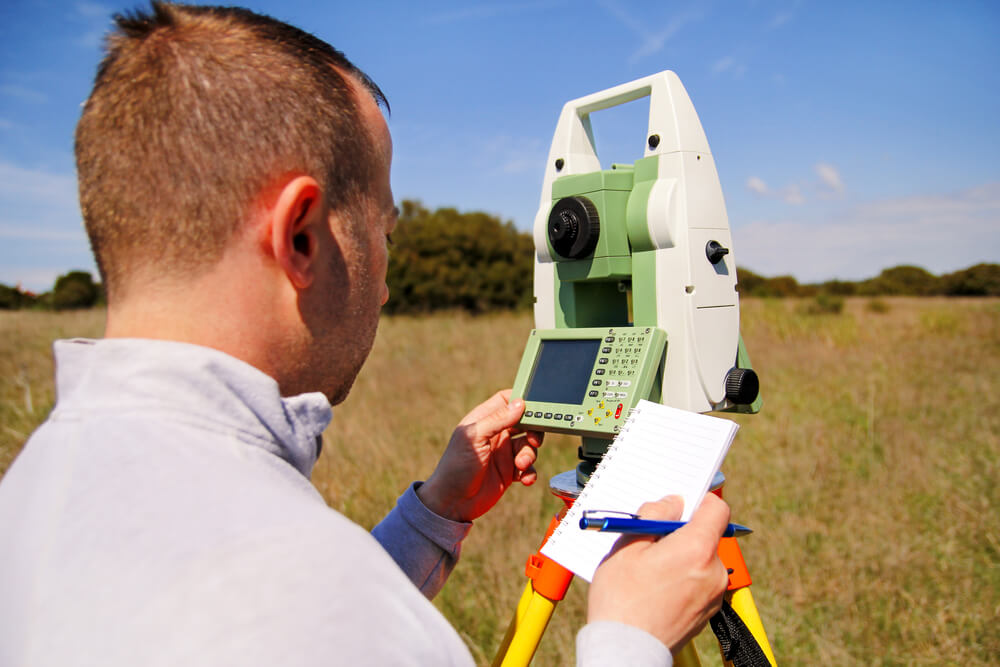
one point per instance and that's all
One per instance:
(529, 413)
(548, 415)
(559, 417)
(609, 339)
(597, 383)
(600, 371)
(606, 350)
(568, 418)
(602, 360)
(592, 394)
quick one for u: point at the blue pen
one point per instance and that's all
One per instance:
(630, 524)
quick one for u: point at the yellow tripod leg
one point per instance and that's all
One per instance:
(744, 606)
(534, 611)
(687, 656)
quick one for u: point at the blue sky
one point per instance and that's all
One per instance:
(849, 136)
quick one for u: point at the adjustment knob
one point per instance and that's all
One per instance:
(574, 227)
(715, 251)
(742, 386)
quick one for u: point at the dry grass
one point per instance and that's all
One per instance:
(869, 477)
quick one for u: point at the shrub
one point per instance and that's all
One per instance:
(449, 260)
(825, 304)
(978, 280)
(76, 289)
(877, 306)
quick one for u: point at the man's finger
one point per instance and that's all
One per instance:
(711, 517)
(495, 402)
(535, 438)
(526, 456)
(500, 419)
(502, 459)
(529, 476)
(665, 509)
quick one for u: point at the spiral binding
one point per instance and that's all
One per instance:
(632, 414)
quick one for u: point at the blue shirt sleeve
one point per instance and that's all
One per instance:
(424, 545)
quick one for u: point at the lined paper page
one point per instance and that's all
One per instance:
(661, 451)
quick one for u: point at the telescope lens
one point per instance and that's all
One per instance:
(574, 227)
(565, 226)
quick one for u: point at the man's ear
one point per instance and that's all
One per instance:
(298, 217)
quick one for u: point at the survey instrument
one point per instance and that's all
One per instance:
(636, 297)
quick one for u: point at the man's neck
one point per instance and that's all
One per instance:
(216, 310)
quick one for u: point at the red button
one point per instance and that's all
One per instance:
(618, 412)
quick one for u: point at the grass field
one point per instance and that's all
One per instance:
(870, 476)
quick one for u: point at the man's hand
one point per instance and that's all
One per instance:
(486, 455)
(670, 586)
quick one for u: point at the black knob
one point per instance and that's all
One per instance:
(715, 251)
(742, 386)
(574, 227)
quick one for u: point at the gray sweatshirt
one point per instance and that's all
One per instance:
(163, 515)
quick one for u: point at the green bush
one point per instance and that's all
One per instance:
(902, 280)
(76, 289)
(978, 280)
(445, 260)
(825, 304)
(877, 306)
(12, 298)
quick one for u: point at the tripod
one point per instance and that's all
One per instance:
(741, 635)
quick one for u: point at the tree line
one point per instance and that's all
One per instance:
(449, 260)
(905, 280)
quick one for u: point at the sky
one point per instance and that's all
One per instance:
(849, 136)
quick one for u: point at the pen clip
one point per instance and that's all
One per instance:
(608, 514)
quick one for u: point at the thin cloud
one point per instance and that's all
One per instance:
(39, 219)
(755, 184)
(780, 19)
(514, 155)
(96, 18)
(23, 94)
(480, 12)
(25, 232)
(92, 10)
(829, 185)
(792, 194)
(830, 177)
(941, 232)
(651, 42)
(17, 182)
(722, 65)
(729, 65)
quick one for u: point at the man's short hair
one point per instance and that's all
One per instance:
(195, 110)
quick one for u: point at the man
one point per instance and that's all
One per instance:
(234, 181)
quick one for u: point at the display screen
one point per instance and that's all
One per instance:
(563, 371)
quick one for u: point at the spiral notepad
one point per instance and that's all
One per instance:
(660, 451)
